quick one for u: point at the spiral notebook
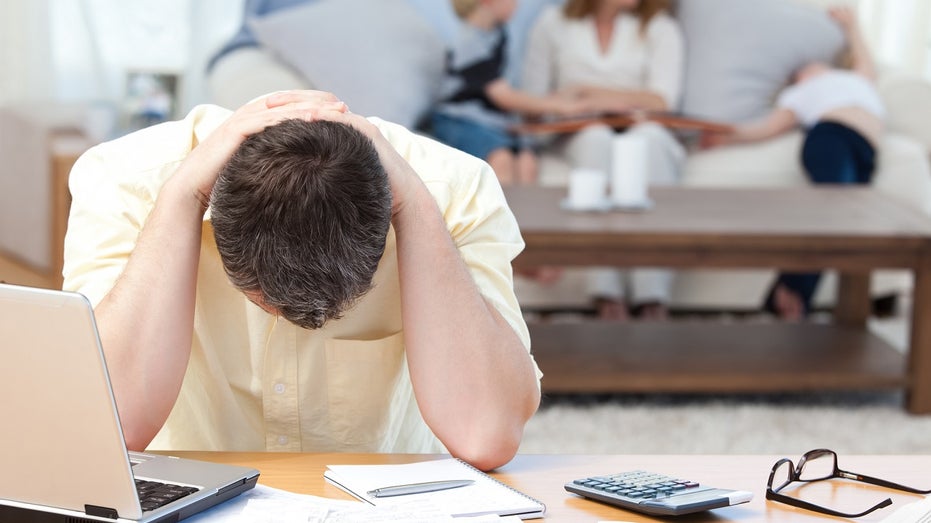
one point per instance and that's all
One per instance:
(485, 496)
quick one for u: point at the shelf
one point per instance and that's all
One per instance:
(594, 357)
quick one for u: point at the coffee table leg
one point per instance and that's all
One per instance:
(853, 299)
(918, 400)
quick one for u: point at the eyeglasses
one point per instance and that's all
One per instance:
(818, 465)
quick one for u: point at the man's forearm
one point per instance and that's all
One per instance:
(473, 378)
(146, 320)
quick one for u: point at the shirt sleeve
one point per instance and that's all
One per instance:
(790, 99)
(537, 75)
(476, 213)
(102, 228)
(667, 59)
(113, 188)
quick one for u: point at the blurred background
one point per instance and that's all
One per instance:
(77, 72)
(82, 50)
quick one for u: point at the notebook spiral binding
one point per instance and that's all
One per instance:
(512, 489)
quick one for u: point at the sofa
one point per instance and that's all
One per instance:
(38, 142)
(389, 60)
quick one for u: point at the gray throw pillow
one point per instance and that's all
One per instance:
(381, 57)
(741, 53)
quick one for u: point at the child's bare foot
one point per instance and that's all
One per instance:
(546, 275)
(653, 311)
(611, 310)
(788, 304)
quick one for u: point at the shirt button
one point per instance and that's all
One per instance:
(282, 440)
(279, 388)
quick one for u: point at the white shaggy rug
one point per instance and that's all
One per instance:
(695, 425)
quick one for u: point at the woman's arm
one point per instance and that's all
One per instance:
(507, 98)
(537, 75)
(605, 100)
(662, 86)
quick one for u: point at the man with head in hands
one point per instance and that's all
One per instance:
(294, 277)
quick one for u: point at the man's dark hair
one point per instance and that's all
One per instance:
(300, 214)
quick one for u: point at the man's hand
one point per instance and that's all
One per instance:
(202, 166)
(146, 321)
(473, 379)
(401, 177)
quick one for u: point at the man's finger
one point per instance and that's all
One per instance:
(290, 97)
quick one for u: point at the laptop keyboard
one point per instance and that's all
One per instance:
(153, 494)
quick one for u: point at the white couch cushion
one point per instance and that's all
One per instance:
(247, 73)
(380, 56)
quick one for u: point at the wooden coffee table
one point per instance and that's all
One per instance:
(852, 230)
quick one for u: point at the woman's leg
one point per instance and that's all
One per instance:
(591, 148)
(651, 287)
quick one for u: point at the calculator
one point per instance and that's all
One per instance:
(658, 494)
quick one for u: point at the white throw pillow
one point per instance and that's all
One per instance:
(742, 52)
(379, 56)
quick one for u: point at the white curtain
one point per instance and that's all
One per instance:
(82, 50)
(25, 59)
(899, 33)
(96, 43)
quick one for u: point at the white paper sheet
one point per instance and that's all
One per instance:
(270, 505)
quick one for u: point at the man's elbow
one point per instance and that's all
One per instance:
(137, 437)
(488, 450)
(493, 444)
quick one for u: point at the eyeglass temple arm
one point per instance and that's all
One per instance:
(795, 502)
(881, 482)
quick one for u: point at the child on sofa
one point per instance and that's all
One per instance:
(843, 114)
(479, 104)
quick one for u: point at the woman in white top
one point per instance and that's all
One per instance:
(843, 114)
(618, 55)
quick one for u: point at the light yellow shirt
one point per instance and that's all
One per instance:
(255, 382)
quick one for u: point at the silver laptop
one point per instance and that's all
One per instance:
(62, 453)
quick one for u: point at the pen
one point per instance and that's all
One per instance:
(418, 488)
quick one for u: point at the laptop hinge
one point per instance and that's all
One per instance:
(100, 512)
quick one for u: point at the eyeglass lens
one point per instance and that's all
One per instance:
(817, 465)
(782, 475)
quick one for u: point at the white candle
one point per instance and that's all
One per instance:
(629, 168)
